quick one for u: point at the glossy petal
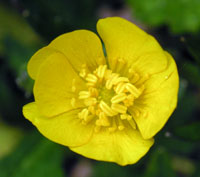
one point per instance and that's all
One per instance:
(124, 40)
(80, 47)
(159, 100)
(65, 129)
(37, 59)
(122, 147)
(53, 86)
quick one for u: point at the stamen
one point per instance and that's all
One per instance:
(93, 91)
(143, 79)
(134, 111)
(120, 79)
(132, 89)
(121, 125)
(119, 108)
(109, 82)
(118, 98)
(90, 101)
(73, 88)
(82, 73)
(87, 119)
(84, 94)
(129, 100)
(73, 85)
(91, 109)
(105, 88)
(114, 126)
(132, 123)
(91, 78)
(83, 114)
(120, 88)
(107, 74)
(73, 101)
(106, 109)
(104, 119)
(101, 71)
(125, 117)
(135, 78)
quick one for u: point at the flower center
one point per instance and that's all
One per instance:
(107, 100)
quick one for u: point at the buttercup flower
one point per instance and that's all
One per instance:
(105, 107)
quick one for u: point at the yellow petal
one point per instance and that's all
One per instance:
(122, 147)
(160, 100)
(65, 129)
(37, 59)
(53, 86)
(125, 41)
(80, 47)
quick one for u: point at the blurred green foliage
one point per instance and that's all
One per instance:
(35, 156)
(26, 26)
(180, 15)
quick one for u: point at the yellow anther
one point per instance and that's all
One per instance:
(73, 101)
(90, 84)
(84, 94)
(118, 98)
(120, 88)
(90, 101)
(121, 125)
(93, 91)
(105, 88)
(88, 118)
(82, 73)
(106, 109)
(73, 85)
(129, 100)
(132, 123)
(141, 89)
(135, 78)
(113, 127)
(133, 90)
(83, 114)
(104, 119)
(97, 112)
(91, 78)
(91, 109)
(119, 108)
(142, 79)
(109, 82)
(107, 74)
(98, 122)
(101, 70)
(73, 88)
(125, 117)
(120, 79)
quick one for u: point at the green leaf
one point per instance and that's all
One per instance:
(191, 72)
(192, 44)
(180, 15)
(60, 16)
(9, 137)
(17, 59)
(35, 156)
(189, 131)
(15, 26)
(103, 169)
(160, 164)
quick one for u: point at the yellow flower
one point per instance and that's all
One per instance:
(103, 107)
